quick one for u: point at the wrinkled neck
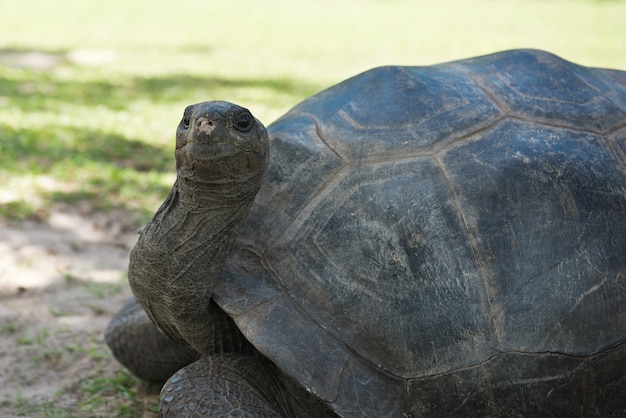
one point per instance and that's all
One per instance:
(216, 196)
(179, 257)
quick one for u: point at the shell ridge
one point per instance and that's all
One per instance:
(311, 203)
(318, 131)
(500, 105)
(618, 153)
(582, 357)
(485, 294)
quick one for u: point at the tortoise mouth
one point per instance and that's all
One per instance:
(208, 147)
(217, 160)
(213, 150)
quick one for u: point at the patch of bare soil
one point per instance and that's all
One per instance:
(61, 280)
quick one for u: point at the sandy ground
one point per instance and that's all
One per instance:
(61, 279)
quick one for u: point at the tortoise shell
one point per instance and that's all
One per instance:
(445, 239)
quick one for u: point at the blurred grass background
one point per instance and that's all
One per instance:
(91, 91)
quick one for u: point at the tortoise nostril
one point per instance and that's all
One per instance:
(205, 125)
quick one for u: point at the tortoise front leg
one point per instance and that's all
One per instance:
(224, 385)
(237, 385)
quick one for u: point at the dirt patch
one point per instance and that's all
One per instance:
(61, 280)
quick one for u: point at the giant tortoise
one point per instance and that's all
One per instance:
(425, 241)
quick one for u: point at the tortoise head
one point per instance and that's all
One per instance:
(220, 149)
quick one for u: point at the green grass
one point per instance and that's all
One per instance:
(121, 386)
(101, 130)
(97, 392)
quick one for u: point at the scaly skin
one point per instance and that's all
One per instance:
(222, 153)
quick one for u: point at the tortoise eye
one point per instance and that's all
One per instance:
(186, 118)
(243, 121)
